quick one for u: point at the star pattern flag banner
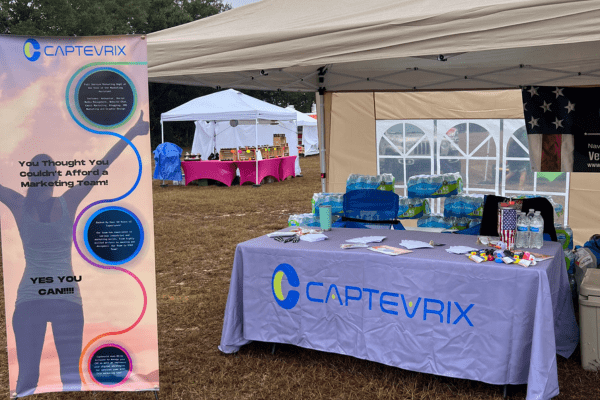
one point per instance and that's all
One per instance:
(76, 215)
(563, 128)
(508, 226)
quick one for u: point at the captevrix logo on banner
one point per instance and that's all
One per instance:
(444, 310)
(30, 50)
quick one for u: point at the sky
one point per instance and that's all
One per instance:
(237, 3)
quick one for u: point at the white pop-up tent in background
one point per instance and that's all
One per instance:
(231, 119)
(310, 131)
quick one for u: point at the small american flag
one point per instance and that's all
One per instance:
(508, 227)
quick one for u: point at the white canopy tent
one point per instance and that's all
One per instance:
(310, 132)
(231, 119)
(384, 45)
(388, 45)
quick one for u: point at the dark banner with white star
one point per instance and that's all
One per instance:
(563, 128)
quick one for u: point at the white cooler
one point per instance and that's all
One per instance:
(589, 319)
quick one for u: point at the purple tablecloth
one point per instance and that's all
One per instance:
(287, 167)
(427, 311)
(222, 171)
(266, 168)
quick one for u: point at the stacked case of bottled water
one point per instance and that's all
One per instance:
(434, 221)
(464, 206)
(439, 221)
(308, 219)
(564, 234)
(433, 186)
(335, 200)
(413, 208)
(378, 182)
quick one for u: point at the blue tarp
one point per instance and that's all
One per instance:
(168, 164)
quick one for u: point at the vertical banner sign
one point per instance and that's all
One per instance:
(76, 209)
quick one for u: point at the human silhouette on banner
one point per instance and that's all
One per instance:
(45, 225)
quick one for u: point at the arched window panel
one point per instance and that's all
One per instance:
(405, 148)
(470, 147)
(392, 165)
(492, 156)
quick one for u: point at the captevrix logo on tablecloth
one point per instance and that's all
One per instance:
(316, 290)
(288, 302)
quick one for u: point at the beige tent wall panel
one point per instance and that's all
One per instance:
(584, 213)
(449, 105)
(352, 143)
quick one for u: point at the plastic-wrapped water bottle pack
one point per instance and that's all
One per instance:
(308, 219)
(434, 221)
(439, 221)
(464, 206)
(474, 221)
(413, 208)
(433, 186)
(564, 234)
(379, 182)
(570, 258)
(335, 200)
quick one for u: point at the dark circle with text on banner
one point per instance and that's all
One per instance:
(114, 235)
(110, 365)
(105, 98)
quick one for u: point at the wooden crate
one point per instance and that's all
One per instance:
(225, 154)
(249, 153)
(286, 151)
(267, 152)
(279, 139)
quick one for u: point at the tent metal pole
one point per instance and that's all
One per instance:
(256, 140)
(321, 122)
(162, 135)
(296, 144)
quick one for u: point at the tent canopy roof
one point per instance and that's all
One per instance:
(384, 45)
(227, 105)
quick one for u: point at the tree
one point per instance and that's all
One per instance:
(105, 17)
(122, 17)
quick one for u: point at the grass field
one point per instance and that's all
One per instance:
(197, 229)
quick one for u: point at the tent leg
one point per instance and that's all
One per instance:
(162, 131)
(273, 348)
(505, 386)
(321, 122)
(257, 184)
(163, 184)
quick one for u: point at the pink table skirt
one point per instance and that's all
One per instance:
(287, 167)
(222, 171)
(265, 168)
